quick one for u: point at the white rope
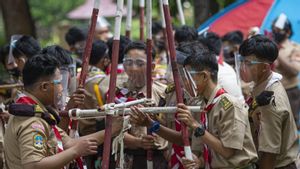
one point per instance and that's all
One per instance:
(119, 140)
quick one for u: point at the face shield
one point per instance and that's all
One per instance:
(61, 89)
(237, 58)
(251, 68)
(185, 79)
(135, 68)
(12, 46)
(73, 78)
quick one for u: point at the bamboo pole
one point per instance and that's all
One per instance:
(112, 84)
(149, 68)
(128, 19)
(180, 11)
(179, 94)
(142, 15)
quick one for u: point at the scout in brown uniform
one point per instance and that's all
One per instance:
(136, 140)
(33, 140)
(288, 62)
(224, 129)
(274, 128)
(96, 85)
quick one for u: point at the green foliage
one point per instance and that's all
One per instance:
(47, 12)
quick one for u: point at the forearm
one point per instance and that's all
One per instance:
(215, 144)
(170, 135)
(56, 161)
(267, 161)
(132, 142)
(99, 136)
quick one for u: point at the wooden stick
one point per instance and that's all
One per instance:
(142, 15)
(179, 94)
(87, 53)
(180, 11)
(128, 19)
(149, 68)
(163, 24)
(112, 84)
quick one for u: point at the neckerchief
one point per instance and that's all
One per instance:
(47, 115)
(204, 121)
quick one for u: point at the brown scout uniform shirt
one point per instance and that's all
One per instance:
(274, 125)
(290, 54)
(228, 121)
(29, 139)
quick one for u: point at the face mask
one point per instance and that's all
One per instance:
(228, 56)
(279, 37)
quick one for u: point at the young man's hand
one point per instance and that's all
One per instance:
(185, 116)
(77, 99)
(84, 147)
(148, 142)
(139, 118)
(191, 164)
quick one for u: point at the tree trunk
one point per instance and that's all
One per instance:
(203, 9)
(17, 18)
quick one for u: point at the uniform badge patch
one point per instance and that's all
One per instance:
(226, 104)
(38, 141)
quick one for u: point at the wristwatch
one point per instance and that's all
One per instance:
(199, 131)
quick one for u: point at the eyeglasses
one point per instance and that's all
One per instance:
(137, 62)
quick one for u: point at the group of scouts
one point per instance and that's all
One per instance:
(246, 89)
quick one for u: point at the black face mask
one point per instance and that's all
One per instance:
(228, 56)
(14, 72)
(279, 37)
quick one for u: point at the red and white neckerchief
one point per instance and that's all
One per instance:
(204, 121)
(177, 150)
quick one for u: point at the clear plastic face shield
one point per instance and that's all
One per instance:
(187, 81)
(13, 41)
(185, 78)
(135, 67)
(73, 78)
(251, 68)
(61, 88)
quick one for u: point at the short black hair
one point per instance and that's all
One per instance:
(124, 41)
(203, 59)
(156, 28)
(190, 48)
(99, 51)
(74, 35)
(62, 55)
(4, 52)
(260, 46)
(234, 37)
(212, 41)
(186, 34)
(27, 46)
(37, 67)
(138, 45)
